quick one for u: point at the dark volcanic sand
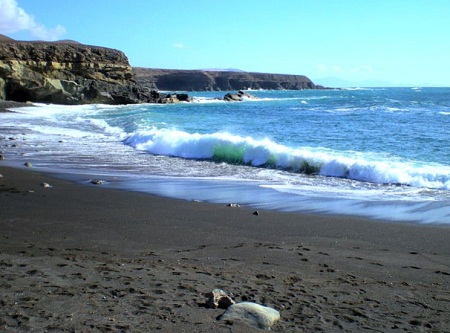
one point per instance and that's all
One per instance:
(87, 259)
(79, 258)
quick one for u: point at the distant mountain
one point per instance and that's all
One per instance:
(4, 38)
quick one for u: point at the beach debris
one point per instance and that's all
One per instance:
(256, 213)
(97, 181)
(44, 184)
(28, 164)
(2, 157)
(253, 314)
(234, 205)
(219, 299)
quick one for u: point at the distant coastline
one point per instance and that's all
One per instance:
(219, 80)
(68, 72)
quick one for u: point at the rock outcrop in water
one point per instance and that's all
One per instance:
(238, 97)
(204, 80)
(70, 73)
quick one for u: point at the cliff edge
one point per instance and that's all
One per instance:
(206, 80)
(67, 73)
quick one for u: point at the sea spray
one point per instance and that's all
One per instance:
(228, 148)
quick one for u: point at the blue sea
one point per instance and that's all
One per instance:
(382, 153)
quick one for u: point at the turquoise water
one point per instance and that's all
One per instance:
(338, 151)
(390, 136)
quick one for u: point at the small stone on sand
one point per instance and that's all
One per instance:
(219, 299)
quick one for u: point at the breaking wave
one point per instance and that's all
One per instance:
(224, 147)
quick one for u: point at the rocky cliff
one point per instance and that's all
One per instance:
(204, 80)
(68, 73)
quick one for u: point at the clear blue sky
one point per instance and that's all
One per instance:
(345, 42)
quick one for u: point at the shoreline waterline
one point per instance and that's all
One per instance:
(169, 151)
(254, 195)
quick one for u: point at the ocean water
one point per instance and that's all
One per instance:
(383, 153)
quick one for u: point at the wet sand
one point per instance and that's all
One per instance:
(88, 259)
(78, 258)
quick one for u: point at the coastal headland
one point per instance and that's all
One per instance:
(208, 80)
(71, 73)
(67, 72)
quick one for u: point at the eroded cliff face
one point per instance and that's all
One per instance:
(198, 80)
(65, 73)
(71, 73)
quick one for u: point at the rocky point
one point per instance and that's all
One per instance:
(70, 73)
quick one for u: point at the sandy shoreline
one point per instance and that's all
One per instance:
(84, 258)
(88, 259)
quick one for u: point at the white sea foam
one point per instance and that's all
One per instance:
(219, 100)
(104, 126)
(61, 131)
(47, 110)
(357, 88)
(225, 147)
(207, 100)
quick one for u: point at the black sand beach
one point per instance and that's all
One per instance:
(83, 258)
(80, 258)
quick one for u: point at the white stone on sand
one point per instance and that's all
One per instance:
(253, 314)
